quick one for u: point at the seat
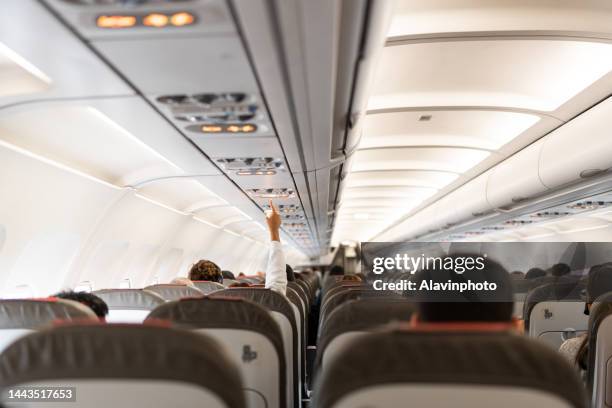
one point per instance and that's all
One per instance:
(340, 286)
(599, 368)
(286, 316)
(554, 312)
(353, 319)
(19, 317)
(297, 301)
(251, 337)
(349, 294)
(299, 289)
(207, 286)
(448, 369)
(174, 292)
(128, 305)
(125, 366)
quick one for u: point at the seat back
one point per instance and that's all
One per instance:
(349, 294)
(355, 318)
(599, 366)
(285, 315)
(207, 286)
(128, 305)
(250, 336)
(125, 366)
(174, 292)
(441, 369)
(19, 317)
(554, 312)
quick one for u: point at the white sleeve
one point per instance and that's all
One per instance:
(276, 274)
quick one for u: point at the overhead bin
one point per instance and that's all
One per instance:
(46, 69)
(579, 149)
(516, 179)
(469, 201)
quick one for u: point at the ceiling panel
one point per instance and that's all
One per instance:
(528, 74)
(417, 17)
(469, 128)
(455, 160)
(416, 178)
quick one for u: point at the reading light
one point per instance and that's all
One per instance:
(182, 19)
(116, 21)
(155, 20)
(229, 128)
(212, 128)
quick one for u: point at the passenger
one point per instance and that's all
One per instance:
(534, 273)
(336, 270)
(351, 278)
(240, 285)
(205, 270)
(471, 305)
(517, 275)
(182, 281)
(576, 350)
(228, 275)
(560, 269)
(276, 274)
(90, 300)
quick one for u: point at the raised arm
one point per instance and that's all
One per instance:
(276, 275)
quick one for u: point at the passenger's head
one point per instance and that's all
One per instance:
(599, 281)
(534, 273)
(90, 300)
(181, 281)
(205, 270)
(351, 278)
(240, 285)
(336, 270)
(560, 269)
(470, 304)
(290, 273)
(517, 275)
(228, 275)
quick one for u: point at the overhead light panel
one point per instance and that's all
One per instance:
(271, 192)
(252, 166)
(229, 128)
(150, 20)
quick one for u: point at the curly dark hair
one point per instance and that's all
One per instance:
(90, 300)
(205, 270)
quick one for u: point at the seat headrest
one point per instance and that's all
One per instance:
(208, 286)
(174, 292)
(122, 351)
(216, 312)
(495, 359)
(130, 299)
(34, 313)
(265, 297)
(361, 315)
(556, 291)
